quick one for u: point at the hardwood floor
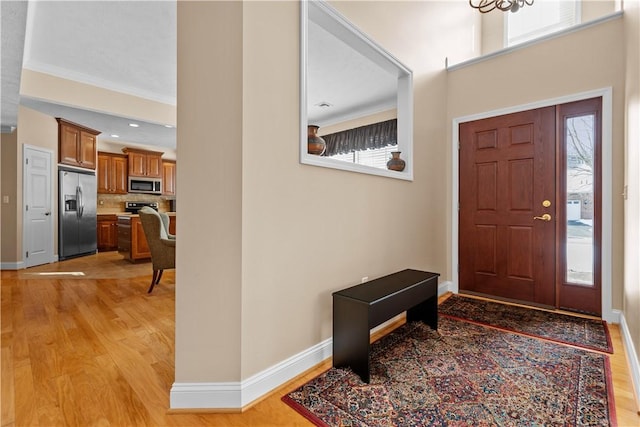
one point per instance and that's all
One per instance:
(96, 349)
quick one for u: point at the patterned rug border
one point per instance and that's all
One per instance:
(609, 348)
(300, 409)
(315, 420)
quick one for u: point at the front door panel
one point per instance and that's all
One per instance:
(507, 171)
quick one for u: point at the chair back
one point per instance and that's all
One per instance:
(162, 256)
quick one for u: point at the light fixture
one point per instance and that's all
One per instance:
(113, 135)
(134, 125)
(324, 104)
(485, 6)
(168, 126)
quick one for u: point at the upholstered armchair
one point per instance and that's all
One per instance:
(163, 249)
(165, 223)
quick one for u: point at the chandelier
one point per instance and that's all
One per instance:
(485, 6)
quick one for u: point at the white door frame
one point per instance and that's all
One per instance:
(606, 93)
(54, 211)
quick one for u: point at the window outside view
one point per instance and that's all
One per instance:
(548, 16)
(580, 196)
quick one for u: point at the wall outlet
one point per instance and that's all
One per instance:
(5, 199)
(364, 279)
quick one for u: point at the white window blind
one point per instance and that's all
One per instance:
(377, 158)
(542, 18)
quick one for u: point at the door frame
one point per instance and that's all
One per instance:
(606, 93)
(52, 193)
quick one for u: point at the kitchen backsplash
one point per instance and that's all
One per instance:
(114, 203)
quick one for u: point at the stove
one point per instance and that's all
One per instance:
(134, 207)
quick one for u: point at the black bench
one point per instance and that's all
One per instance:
(359, 308)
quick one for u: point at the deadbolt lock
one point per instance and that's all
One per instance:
(546, 203)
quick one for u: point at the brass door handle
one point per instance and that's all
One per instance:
(545, 217)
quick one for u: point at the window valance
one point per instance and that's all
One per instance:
(376, 135)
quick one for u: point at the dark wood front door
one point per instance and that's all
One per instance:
(507, 172)
(530, 206)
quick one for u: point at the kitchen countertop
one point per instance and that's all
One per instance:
(131, 215)
(112, 213)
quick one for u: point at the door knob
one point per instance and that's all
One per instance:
(545, 217)
(47, 213)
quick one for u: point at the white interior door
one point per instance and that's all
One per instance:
(38, 204)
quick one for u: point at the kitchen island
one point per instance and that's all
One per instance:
(132, 243)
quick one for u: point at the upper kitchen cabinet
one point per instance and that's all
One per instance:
(112, 173)
(144, 163)
(169, 177)
(76, 144)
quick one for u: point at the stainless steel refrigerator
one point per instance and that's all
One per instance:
(77, 219)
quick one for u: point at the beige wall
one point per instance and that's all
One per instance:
(305, 231)
(210, 145)
(632, 136)
(302, 236)
(9, 188)
(554, 68)
(71, 93)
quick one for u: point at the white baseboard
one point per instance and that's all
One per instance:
(11, 265)
(445, 287)
(632, 356)
(612, 316)
(236, 395)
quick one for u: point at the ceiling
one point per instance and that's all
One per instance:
(123, 46)
(130, 47)
(14, 16)
(343, 83)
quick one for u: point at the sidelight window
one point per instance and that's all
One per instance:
(579, 195)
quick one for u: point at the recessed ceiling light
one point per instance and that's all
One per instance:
(134, 125)
(113, 135)
(168, 126)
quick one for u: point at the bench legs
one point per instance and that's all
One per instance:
(426, 311)
(351, 331)
(351, 336)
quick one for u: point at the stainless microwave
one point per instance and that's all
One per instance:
(145, 185)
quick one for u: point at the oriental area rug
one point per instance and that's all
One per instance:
(464, 374)
(587, 333)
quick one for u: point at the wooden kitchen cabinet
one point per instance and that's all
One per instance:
(107, 232)
(168, 177)
(132, 243)
(144, 163)
(112, 173)
(76, 144)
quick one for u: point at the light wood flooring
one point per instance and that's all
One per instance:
(97, 350)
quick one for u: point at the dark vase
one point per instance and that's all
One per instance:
(395, 163)
(315, 144)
